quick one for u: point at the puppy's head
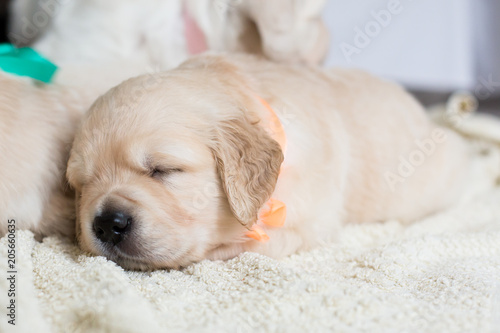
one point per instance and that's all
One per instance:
(168, 167)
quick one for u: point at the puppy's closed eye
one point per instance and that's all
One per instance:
(160, 173)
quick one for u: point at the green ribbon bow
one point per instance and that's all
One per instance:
(26, 62)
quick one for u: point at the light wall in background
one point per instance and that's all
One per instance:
(424, 44)
(487, 50)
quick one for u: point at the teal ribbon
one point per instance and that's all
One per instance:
(26, 62)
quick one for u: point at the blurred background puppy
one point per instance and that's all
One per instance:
(163, 33)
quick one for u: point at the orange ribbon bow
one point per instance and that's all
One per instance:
(273, 215)
(274, 212)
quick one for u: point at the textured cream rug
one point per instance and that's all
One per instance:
(440, 274)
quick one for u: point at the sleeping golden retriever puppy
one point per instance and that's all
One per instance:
(190, 169)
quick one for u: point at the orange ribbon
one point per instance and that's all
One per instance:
(274, 212)
(275, 126)
(257, 233)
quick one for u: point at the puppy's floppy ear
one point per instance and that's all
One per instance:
(248, 161)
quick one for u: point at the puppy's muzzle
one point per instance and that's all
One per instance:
(112, 225)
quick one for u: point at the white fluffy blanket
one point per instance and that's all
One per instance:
(441, 274)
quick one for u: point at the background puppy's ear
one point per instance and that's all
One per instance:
(248, 161)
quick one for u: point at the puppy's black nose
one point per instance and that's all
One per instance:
(111, 226)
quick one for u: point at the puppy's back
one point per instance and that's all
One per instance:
(37, 123)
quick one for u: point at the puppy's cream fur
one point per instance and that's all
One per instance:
(193, 163)
(36, 131)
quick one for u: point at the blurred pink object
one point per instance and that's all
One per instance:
(195, 38)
